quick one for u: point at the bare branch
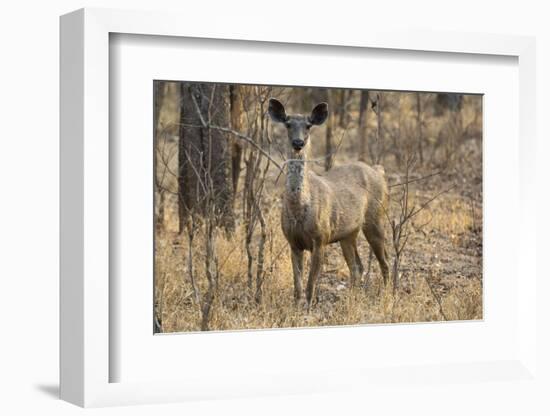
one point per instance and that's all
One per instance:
(416, 179)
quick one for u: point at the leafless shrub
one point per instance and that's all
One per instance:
(401, 225)
(257, 167)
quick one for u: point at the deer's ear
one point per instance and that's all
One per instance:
(277, 111)
(319, 114)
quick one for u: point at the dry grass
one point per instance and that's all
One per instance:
(428, 291)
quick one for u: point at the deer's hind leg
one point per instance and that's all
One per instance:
(351, 255)
(374, 233)
(298, 270)
(317, 256)
(358, 260)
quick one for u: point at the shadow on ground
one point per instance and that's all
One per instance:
(51, 390)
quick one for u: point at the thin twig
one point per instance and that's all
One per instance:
(416, 179)
(436, 298)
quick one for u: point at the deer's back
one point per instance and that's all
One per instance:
(357, 182)
(346, 197)
(359, 195)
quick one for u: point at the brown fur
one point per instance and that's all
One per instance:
(334, 207)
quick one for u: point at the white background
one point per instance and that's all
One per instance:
(29, 208)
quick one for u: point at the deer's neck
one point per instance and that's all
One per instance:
(297, 183)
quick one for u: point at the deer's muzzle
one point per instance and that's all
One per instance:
(298, 144)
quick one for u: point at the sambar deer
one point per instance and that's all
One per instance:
(322, 209)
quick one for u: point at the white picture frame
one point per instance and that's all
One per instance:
(85, 165)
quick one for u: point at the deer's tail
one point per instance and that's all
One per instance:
(385, 194)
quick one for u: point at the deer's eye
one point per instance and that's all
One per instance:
(308, 126)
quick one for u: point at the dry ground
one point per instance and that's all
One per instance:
(440, 279)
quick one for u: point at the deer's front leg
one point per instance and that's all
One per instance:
(317, 255)
(298, 269)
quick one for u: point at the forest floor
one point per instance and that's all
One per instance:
(440, 274)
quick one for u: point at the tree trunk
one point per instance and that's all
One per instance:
(204, 153)
(342, 109)
(158, 93)
(324, 95)
(219, 165)
(237, 114)
(329, 159)
(419, 128)
(376, 154)
(190, 151)
(363, 127)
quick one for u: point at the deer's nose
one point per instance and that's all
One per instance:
(297, 144)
